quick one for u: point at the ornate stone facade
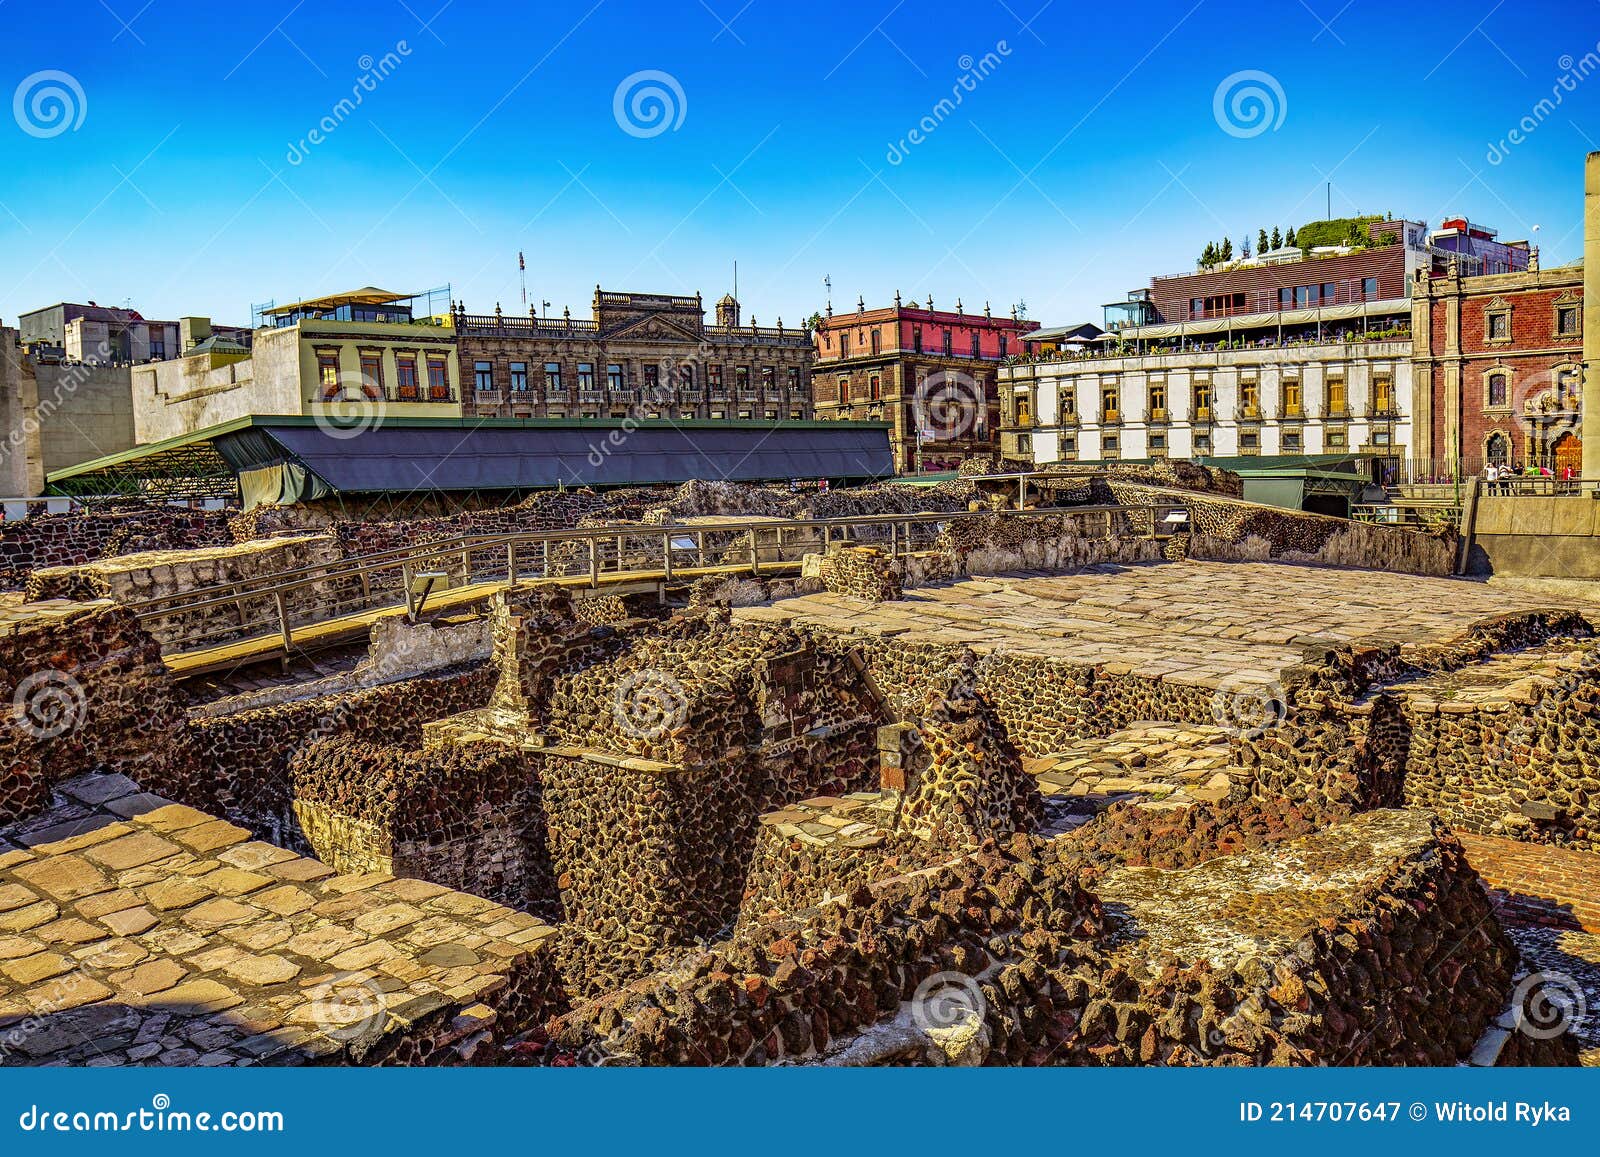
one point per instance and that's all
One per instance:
(643, 355)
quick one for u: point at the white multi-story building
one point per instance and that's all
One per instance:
(1316, 398)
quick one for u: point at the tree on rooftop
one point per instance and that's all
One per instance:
(1277, 238)
(1288, 238)
(1226, 253)
(1208, 255)
(1261, 241)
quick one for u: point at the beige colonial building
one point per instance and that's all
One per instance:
(642, 354)
(350, 356)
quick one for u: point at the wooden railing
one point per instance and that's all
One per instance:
(597, 557)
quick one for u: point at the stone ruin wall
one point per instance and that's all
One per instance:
(1229, 530)
(1350, 736)
(83, 686)
(238, 765)
(73, 539)
(159, 574)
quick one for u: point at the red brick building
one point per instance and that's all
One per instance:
(1498, 362)
(930, 373)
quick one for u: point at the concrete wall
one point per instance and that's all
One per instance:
(186, 394)
(21, 467)
(1558, 537)
(85, 412)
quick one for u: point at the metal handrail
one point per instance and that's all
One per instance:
(278, 584)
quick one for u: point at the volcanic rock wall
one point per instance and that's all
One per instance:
(158, 574)
(84, 688)
(862, 572)
(237, 765)
(469, 817)
(72, 539)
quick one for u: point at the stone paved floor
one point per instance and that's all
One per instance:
(1196, 623)
(1549, 901)
(138, 931)
(1164, 765)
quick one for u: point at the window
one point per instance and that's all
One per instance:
(844, 345)
(1024, 410)
(1005, 344)
(1249, 399)
(949, 345)
(483, 375)
(1382, 395)
(328, 374)
(1157, 442)
(405, 373)
(586, 376)
(741, 377)
(1337, 440)
(844, 389)
(519, 377)
(977, 347)
(1202, 401)
(1369, 288)
(744, 415)
(877, 342)
(719, 414)
(794, 379)
(1197, 307)
(1069, 401)
(1293, 400)
(771, 415)
(1567, 320)
(1249, 442)
(769, 377)
(1567, 389)
(1497, 325)
(1202, 443)
(1498, 449)
(1380, 437)
(438, 379)
(1292, 442)
(916, 338)
(1336, 402)
(614, 379)
(1285, 298)
(1110, 398)
(1330, 293)
(552, 377)
(1302, 296)
(372, 374)
(1069, 445)
(1158, 401)
(875, 388)
(794, 415)
(714, 378)
(652, 381)
(1110, 443)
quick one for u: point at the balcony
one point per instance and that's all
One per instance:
(492, 396)
(1069, 420)
(1382, 411)
(1111, 417)
(1250, 413)
(1288, 412)
(1157, 416)
(1336, 413)
(1203, 415)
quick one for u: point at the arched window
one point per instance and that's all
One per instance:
(1495, 393)
(1497, 449)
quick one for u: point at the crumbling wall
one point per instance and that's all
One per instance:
(237, 765)
(135, 577)
(1228, 530)
(862, 572)
(84, 687)
(469, 817)
(73, 539)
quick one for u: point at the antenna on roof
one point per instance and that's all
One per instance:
(522, 268)
(827, 283)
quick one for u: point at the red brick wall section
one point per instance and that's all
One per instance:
(1536, 883)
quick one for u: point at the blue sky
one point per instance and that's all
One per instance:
(1087, 156)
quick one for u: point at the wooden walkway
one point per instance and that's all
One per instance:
(463, 600)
